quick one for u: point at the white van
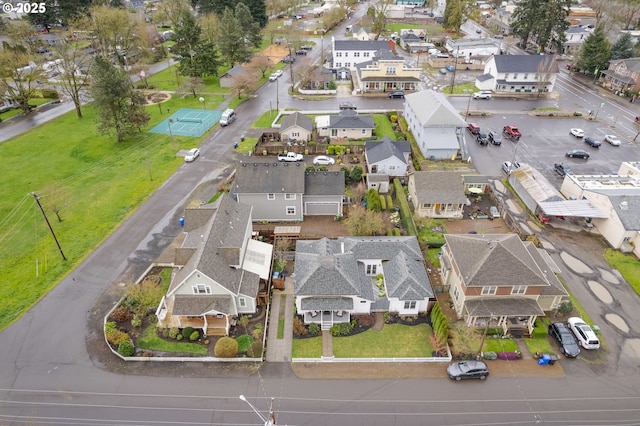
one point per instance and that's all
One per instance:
(227, 117)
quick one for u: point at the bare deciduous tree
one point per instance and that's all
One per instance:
(244, 82)
(362, 222)
(261, 64)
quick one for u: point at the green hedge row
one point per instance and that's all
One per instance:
(405, 210)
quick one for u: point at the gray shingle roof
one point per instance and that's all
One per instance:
(475, 179)
(296, 119)
(494, 260)
(629, 216)
(555, 288)
(349, 119)
(377, 151)
(327, 303)
(361, 45)
(198, 304)
(331, 267)
(632, 64)
(434, 110)
(484, 77)
(523, 63)
(238, 69)
(439, 187)
(509, 306)
(266, 178)
(324, 183)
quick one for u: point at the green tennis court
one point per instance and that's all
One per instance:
(188, 122)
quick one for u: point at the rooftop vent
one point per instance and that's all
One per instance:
(624, 205)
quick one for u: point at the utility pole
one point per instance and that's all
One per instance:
(35, 197)
(455, 68)
(291, 59)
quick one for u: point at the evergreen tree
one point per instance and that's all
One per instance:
(595, 52)
(251, 28)
(543, 20)
(455, 13)
(120, 107)
(258, 11)
(198, 57)
(623, 48)
(231, 39)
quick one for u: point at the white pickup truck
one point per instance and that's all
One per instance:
(290, 157)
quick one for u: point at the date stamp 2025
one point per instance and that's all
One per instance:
(24, 8)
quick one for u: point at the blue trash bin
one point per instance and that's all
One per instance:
(181, 220)
(544, 360)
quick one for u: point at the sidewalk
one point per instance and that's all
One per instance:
(279, 350)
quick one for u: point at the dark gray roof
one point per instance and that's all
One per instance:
(387, 55)
(523, 63)
(324, 183)
(475, 179)
(349, 119)
(267, 178)
(377, 151)
(555, 288)
(238, 69)
(494, 260)
(331, 267)
(296, 119)
(484, 77)
(197, 304)
(410, 37)
(632, 64)
(327, 303)
(361, 45)
(439, 187)
(509, 306)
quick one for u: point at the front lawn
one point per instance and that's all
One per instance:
(149, 340)
(310, 347)
(492, 344)
(393, 341)
(383, 126)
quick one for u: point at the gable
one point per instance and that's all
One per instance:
(438, 187)
(268, 178)
(432, 109)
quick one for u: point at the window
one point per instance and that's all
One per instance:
(518, 289)
(347, 64)
(356, 54)
(525, 76)
(391, 70)
(338, 54)
(392, 168)
(626, 239)
(515, 76)
(201, 289)
(365, 54)
(489, 290)
(295, 134)
(271, 196)
(346, 54)
(291, 210)
(371, 269)
(364, 131)
(410, 304)
(456, 293)
(289, 196)
(338, 64)
(242, 302)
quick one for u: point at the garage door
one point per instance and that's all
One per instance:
(315, 209)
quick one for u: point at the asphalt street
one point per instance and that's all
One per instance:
(54, 368)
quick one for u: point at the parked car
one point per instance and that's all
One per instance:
(495, 138)
(273, 77)
(450, 68)
(507, 167)
(348, 105)
(482, 95)
(568, 345)
(470, 369)
(591, 141)
(482, 138)
(473, 128)
(301, 52)
(192, 155)
(288, 59)
(397, 94)
(585, 335)
(577, 153)
(562, 169)
(443, 70)
(578, 133)
(323, 160)
(613, 140)
(512, 132)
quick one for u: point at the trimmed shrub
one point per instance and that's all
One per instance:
(174, 332)
(342, 329)
(383, 202)
(373, 200)
(226, 347)
(299, 328)
(389, 232)
(393, 118)
(566, 307)
(258, 331)
(255, 350)
(186, 332)
(121, 314)
(405, 210)
(49, 94)
(396, 232)
(389, 203)
(179, 337)
(314, 329)
(126, 348)
(356, 174)
(194, 336)
(114, 336)
(399, 136)
(136, 321)
(244, 342)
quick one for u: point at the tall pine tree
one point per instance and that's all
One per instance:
(623, 48)
(595, 52)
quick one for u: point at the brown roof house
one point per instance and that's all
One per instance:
(437, 194)
(220, 270)
(500, 279)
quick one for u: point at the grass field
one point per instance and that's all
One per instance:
(394, 340)
(628, 266)
(307, 348)
(90, 180)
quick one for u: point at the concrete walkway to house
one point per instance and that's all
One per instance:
(279, 350)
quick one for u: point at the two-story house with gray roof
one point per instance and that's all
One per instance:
(386, 72)
(483, 290)
(519, 74)
(273, 189)
(347, 124)
(437, 194)
(388, 157)
(335, 279)
(297, 127)
(436, 125)
(349, 53)
(220, 270)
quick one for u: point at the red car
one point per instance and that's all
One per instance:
(512, 132)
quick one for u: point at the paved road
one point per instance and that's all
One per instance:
(47, 375)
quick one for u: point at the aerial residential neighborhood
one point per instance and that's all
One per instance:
(266, 212)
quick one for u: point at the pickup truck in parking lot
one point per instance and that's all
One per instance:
(290, 157)
(511, 132)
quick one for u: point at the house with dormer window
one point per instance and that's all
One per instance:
(386, 72)
(350, 53)
(221, 270)
(622, 75)
(335, 279)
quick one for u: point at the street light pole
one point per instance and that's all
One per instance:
(277, 95)
(468, 102)
(270, 421)
(204, 104)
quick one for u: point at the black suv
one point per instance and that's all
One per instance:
(568, 345)
(591, 141)
(482, 138)
(562, 169)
